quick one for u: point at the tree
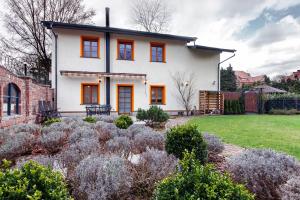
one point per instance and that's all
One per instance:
(151, 15)
(184, 84)
(28, 39)
(228, 80)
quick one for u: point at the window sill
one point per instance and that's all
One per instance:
(89, 104)
(90, 57)
(158, 61)
(157, 104)
(125, 59)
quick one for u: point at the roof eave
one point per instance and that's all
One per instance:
(51, 25)
(207, 48)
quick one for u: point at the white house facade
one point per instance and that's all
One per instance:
(126, 69)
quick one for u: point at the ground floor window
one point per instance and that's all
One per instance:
(157, 94)
(11, 100)
(90, 93)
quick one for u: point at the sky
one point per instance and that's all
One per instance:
(265, 33)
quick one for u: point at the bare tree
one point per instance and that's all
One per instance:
(27, 38)
(152, 15)
(185, 85)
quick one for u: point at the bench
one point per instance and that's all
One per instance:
(98, 110)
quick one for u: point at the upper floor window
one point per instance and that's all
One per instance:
(90, 47)
(125, 50)
(90, 93)
(157, 95)
(11, 100)
(157, 52)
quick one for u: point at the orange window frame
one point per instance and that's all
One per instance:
(163, 87)
(82, 92)
(158, 44)
(89, 38)
(121, 41)
(132, 95)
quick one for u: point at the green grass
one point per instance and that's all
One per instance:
(278, 132)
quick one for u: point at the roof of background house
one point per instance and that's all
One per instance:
(269, 89)
(51, 24)
(246, 77)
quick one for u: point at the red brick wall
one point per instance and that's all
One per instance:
(31, 93)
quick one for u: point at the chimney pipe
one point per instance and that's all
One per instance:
(107, 16)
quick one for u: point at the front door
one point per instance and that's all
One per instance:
(125, 99)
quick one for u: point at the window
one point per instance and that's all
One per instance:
(157, 95)
(90, 93)
(11, 100)
(157, 52)
(125, 50)
(90, 47)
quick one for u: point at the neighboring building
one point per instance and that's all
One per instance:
(293, 76)
(19, 98)
(126, 69)
(244, 78)
(266, 89)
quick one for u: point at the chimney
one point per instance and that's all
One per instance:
(107, 17)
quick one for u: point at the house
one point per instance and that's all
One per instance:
(294, 76)
(244, 78)
(126, 69)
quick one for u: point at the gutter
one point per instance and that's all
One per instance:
(219, 77)
(55, 66)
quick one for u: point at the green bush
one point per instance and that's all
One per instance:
(32, 181)
(152, 116)
(50, 121)
(284, 112)
(90, 119)
(194, 181)
(186, 138)
(123, 122)
(233, 107)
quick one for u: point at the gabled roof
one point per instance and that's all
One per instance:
(207, 48)
(51, 24)
(269, 89)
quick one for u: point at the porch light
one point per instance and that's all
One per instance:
(145, 82)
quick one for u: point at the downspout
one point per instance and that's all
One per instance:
(55, 65)
(107, 58)
(219, 77)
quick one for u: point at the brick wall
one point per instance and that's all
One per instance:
(31, 93)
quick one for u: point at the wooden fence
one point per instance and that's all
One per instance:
(211, 102)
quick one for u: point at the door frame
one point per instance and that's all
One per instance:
(132, 95)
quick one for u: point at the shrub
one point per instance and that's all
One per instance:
(153, 166)
(53, 141)
(82, 132)
(16, 145)
(106, 118)
(263, 171)
(32, 181)
(148, 139)
(291, 189)
(90, 119)
(123, 122)
(186, 137)
(102, 177)
(155, 115)
(214, 143)
(29, 128)
(121, 145)
(105, 130)
(78, 151)
(50, 121)
(45, 160)
(194, 181)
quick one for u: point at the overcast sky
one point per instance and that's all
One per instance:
(266, 33)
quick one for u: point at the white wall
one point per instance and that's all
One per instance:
(178, 58)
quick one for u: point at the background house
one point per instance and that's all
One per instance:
(244, 78)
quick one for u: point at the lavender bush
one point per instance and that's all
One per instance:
(151, 140)
(153, 166)
(102, 177)
(263, 171)
(16, 145)
(120, 145)
(107, 118)
(53, 141)
(214, 143)
(291, 189)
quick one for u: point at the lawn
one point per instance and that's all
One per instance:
(279, 132)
